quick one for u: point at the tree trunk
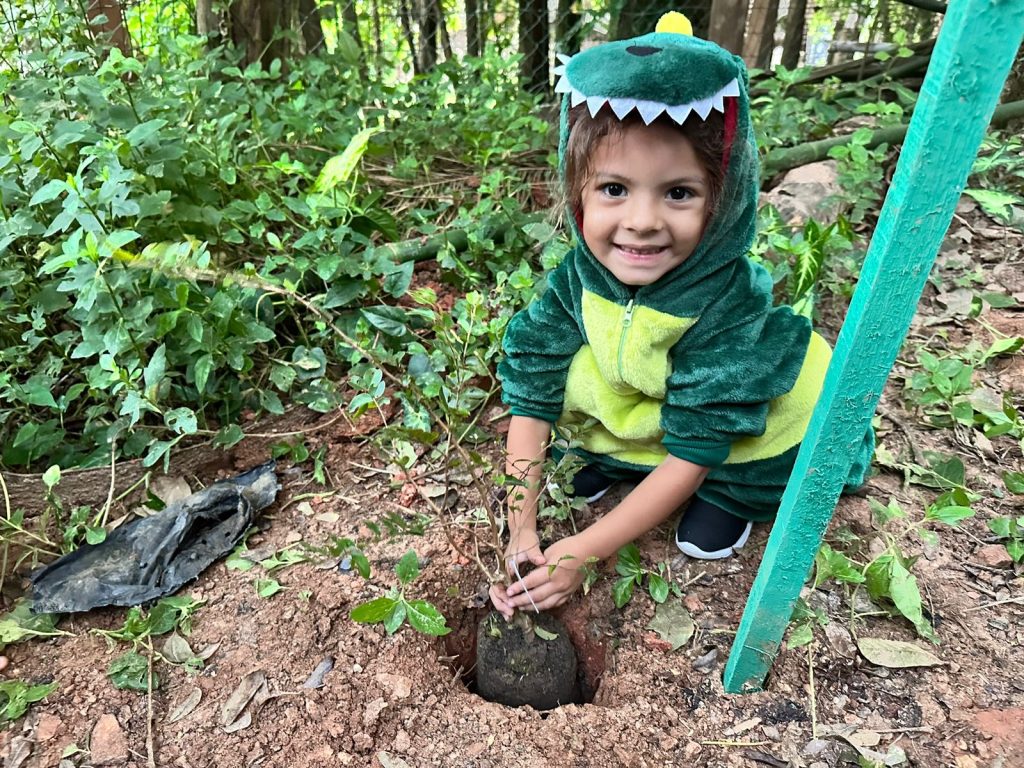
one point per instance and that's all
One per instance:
(1014, 88)
(406, 19)
(793, 44)
(207, 21)
(258, 26)
(568, 29)
(427, 20)
(760, 39)
(378, 47)
(727, 24)
(442, 25)
(309, 23)
(113, 26)
(473, 27)
(350, 22)
(534, 39)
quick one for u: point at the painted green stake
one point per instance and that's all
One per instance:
(969, 65)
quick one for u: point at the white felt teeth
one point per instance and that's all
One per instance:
(703, 107)
(648, 110)
(621, 107)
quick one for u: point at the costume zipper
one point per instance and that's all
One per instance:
(627, 320)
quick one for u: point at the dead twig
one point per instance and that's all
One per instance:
(1013, 600)
(150, 749)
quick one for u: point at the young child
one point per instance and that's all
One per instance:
(656, 329)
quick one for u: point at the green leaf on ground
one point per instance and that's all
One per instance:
(801, 635)
(1014, 482)
(268, 587)
(673, 623)
(20, 623)
(16, 695)
(543, 634)
(130, 670)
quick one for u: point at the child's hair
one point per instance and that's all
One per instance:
(586, 132)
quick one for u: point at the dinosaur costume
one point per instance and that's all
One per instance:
(698, 363)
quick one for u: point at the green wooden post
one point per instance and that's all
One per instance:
(972, 57)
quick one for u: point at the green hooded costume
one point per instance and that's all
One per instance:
(697, 364)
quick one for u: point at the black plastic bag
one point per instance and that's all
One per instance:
(153, 556)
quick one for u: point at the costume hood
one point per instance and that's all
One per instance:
(671, 72)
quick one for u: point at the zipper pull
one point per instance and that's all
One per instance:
(627, 319)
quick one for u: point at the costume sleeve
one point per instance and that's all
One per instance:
(540, 343)
(740, 355)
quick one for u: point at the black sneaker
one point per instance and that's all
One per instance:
(707, 532)
(590, 483)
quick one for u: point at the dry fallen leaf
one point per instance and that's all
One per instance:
(895, 654)
(673, 623)
(21, 748)
(176, 649)
(208, 651)
(186, 707)
(316, 678)
(241, 697)
(390, 761)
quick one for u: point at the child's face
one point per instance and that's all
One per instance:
(644, 203)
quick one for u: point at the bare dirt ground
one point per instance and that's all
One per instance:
(397, 701)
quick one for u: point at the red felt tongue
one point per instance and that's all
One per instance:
(731, 118)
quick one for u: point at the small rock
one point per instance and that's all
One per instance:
(3, 663)
(47, 727)
(814, 747)
(108, 744)
(402, 741)
(693, 603)
(994, 556)
(691, 749)
(706, 662)
(372, 712)
(362, 741)
(398, 686)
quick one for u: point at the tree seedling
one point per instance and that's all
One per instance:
(131, 669)
(887, 577)
(632, 574)
(17, 695)
(394, 609)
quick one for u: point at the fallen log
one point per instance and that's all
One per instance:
(793, 157)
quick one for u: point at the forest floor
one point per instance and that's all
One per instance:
(397, 701)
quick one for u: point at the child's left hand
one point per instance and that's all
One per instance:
(552, 584)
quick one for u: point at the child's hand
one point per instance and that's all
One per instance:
(523, 547)
(549, 585)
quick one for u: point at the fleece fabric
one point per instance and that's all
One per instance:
(698, 364)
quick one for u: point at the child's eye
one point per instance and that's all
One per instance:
(613, 190)
(680, 193)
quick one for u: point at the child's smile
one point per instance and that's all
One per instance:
(644, 203)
